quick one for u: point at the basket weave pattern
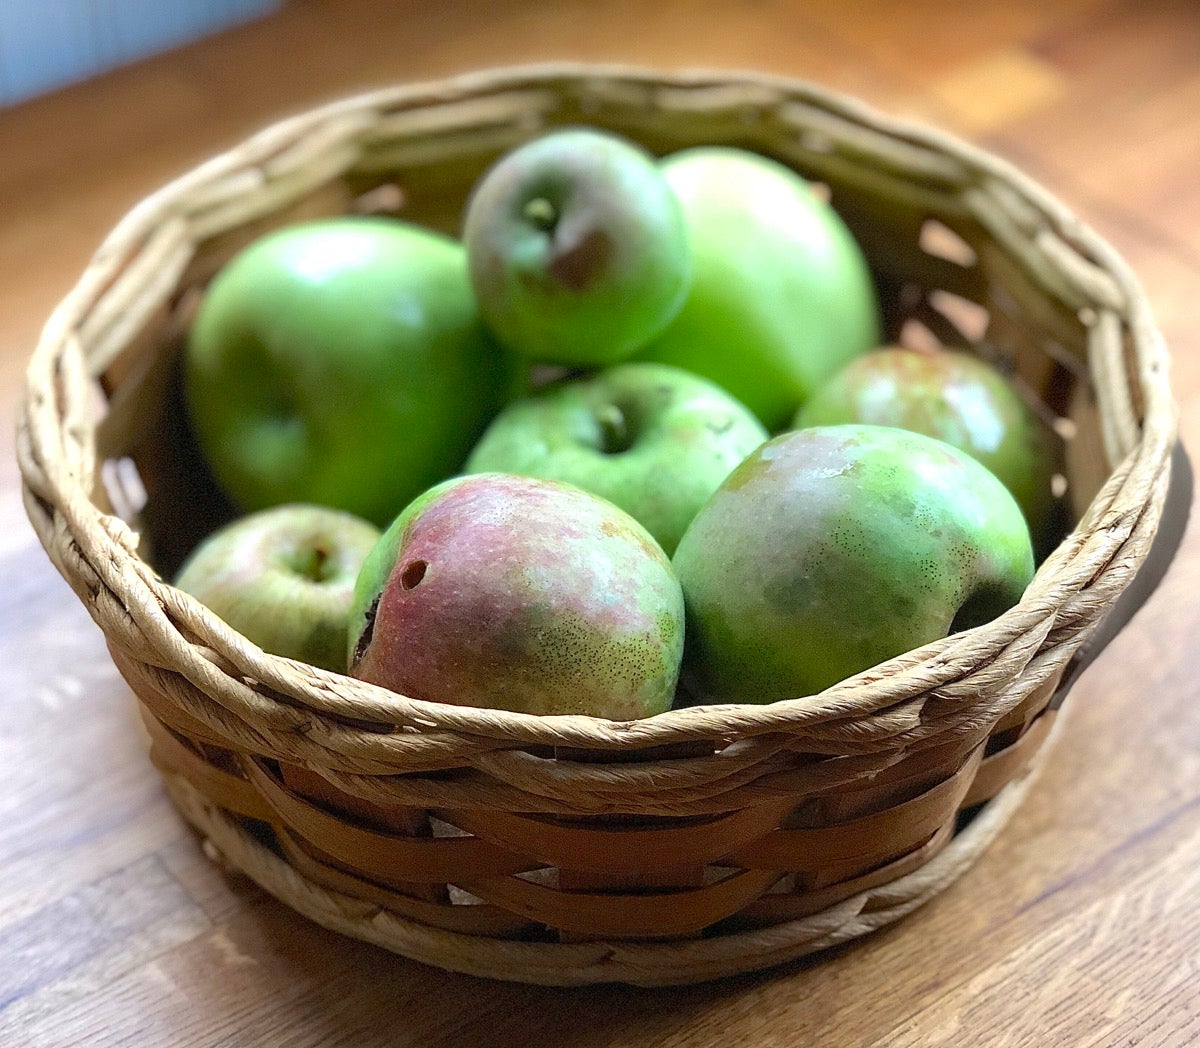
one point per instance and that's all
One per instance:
(700, 842)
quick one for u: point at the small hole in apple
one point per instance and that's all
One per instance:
(412, 573)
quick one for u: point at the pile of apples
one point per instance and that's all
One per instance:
(632, 441)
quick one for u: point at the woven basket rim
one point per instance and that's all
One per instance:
(106, 548)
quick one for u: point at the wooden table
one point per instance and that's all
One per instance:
(1080, 926)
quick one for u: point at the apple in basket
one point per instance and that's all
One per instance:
(654, 439)
(956, 397)
(520, 594)
(780, 296)
(341, 362)
(284, 578)
(577, 248)
(834, 548)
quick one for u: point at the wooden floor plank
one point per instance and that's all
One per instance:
(1057, 986)
(1126, 131)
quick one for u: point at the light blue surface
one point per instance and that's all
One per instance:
(45, 44)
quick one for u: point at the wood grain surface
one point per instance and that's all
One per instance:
(1080, 926)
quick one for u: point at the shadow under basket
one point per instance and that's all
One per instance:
(571, 850)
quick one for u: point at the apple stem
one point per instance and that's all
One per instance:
(313, 564)
(541, 213)
(614, 429)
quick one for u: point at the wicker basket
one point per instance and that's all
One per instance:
(570, 850)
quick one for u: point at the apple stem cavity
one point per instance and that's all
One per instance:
(541, 213)
(314, 564)
(615, 435)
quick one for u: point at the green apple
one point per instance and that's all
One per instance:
(956, 397)
(781, 296)
(519, 594)
(653, 439)
(577, 248)
(284, 578)
(832, 549)
(341, 362)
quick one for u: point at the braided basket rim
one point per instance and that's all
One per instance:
(97, 552)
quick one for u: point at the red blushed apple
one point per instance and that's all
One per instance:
(520, 594)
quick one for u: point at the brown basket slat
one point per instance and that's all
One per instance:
(434, 859)
(231, 792)
(468, 919)
(624, 850)
(1000, 768)
(644, 914)
(864, 842)
(774, 908)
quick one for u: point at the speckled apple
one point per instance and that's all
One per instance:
(654, 439)
(284, 579)
(577, 248)
(832, 549)
(956, 397)
(519, 594)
